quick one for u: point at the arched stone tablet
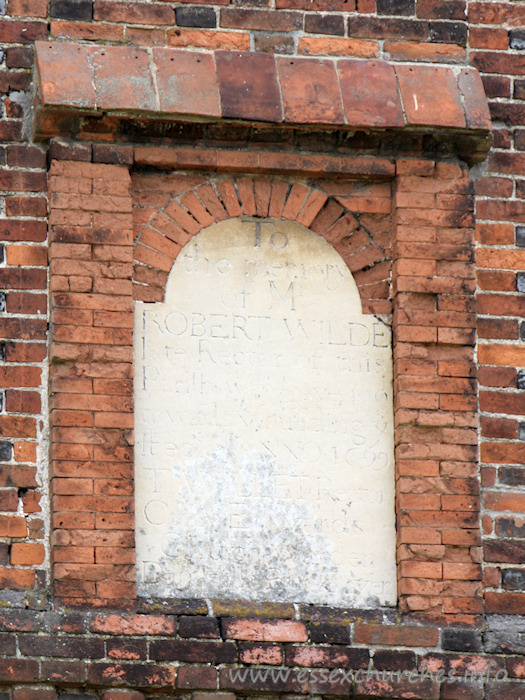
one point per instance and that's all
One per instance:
(264, 426)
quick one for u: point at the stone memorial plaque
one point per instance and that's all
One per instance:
(264, 426)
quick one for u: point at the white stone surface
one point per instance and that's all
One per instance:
(264, 426)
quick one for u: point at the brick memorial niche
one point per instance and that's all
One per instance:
(264, 439)
(414, 263)
(143, 167)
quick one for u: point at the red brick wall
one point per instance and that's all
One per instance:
(440, 481)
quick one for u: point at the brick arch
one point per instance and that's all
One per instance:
(361, 238)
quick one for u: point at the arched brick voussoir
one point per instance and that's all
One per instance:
(359, 239)
(160, 242)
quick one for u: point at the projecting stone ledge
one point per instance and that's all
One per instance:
(242, 86)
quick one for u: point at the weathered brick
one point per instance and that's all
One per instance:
(136, 13)
(193, 652)
(123, 695)
(19, 670)
(195, 16)
(339, 657)
(27, 553)
(396, 635)
(28, 8)
(207, 39)
(273, 42)
(264, 630)
(439, 9)
(266, 20)
(196, 677)
(22, 32)
(513, 579)
(324, 24)
(396, 7)
(331, 633)
(72, 9)
(133, 675)
(198, 626)
(261, 654)
(261, 683)
(504, 551)
(133, 624)
(517, 39)
(391, 28)
(318, 5)
(34, 693)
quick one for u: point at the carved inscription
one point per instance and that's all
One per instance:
(264, 430)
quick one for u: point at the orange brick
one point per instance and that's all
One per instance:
(212, 202)
(460, 503)
(433, 552)
(417, 51)
(27, 553)
(493, 500)
(132, 624)
(94, 572)
(247, 196)
(26, 255)
(24, 451)
(262, 191)
(329, 46)
(412, 586)
(313, 205)
(74, 589)
(296, 198)
(265, 631)
(229, 197)
(456, 606)
(182, 218)
(87, 30)
(418, 501)
(119, 590)
(12, 526)
(171, 230)
(114, 521)
(458, 570)
(278, 198)
(488, 38)
(31, 502)
(17, 579)
(421, 569)
(79, 554)
(209, 39)
(491, 577)
(114, 555)
(28, 8)
(72, 486)
(196, 209)
(100, 504)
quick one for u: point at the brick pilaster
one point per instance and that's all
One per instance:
(91, 401)
(435, 390)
